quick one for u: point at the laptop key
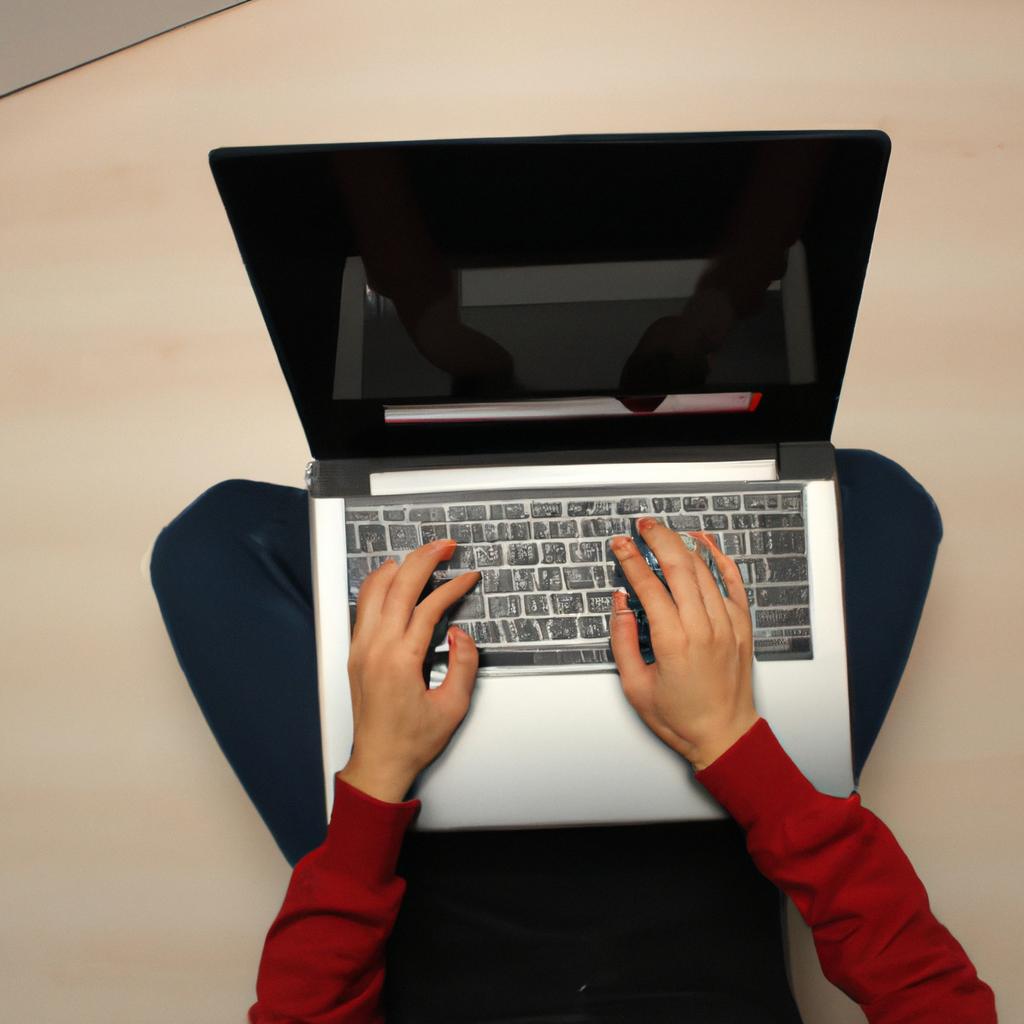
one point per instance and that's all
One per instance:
(404, 538)
(776, 542)
(783, 617)
(725, 502)
(488, 555)
(496, 581)
(665, 505)
(578, 577)
(554, 553)
(546, 509)
(463, 513)
(558, 628)
(521, 630)
(470, 607)
(586, 551)
(524, 579)
(784, 570)
(433, 531)
(590, 508)
(599, 601)
(372, 538)
(523, 554)
(505, 607)
(537, 604)
(782, 595)
(549, 579)
(426, 514)
(683, 524)
(593, 627)
(567, 604)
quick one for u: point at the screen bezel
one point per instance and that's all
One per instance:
(354, 429)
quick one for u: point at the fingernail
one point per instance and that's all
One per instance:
(620, 543)
(645, 522)
(619, 603)
(451, 637)
(440, 545)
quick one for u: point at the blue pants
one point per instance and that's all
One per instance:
(233, 579)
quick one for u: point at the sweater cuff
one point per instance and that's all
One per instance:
(755, 778)
(364, 837)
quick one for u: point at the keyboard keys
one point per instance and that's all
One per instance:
(432, 514)
(776, 542)
(567, 604)
(554, 553)
(590, 508)
(549, 579)
(663, 505)
(404, 538)
(578, 577)
(781, 595)
(782, 617)
(463, 513)
(487, 555)
(546, 509)
(523, 554)
(632, 506)
(373, 538)
(786, 570)
(506, 607)
(586, 551)
(546, 567)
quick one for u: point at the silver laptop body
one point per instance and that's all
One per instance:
(572, 254)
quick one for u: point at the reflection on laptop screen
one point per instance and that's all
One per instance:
(414, 282)
(650, 273)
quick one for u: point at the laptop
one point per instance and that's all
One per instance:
(528, 343)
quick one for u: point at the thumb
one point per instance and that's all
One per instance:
(463, 660)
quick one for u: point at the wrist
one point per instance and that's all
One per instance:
(711, 750)
(379, 781)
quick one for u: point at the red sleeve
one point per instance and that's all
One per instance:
(874, 931)
(323, 959)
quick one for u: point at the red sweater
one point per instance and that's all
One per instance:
(875, 934)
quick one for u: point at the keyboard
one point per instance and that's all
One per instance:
(548, 573)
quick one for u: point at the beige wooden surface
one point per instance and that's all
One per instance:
(137, 880)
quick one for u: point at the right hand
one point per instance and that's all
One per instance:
(697, 697)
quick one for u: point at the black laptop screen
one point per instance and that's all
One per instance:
(530, 274)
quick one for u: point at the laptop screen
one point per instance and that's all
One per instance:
(477, 294)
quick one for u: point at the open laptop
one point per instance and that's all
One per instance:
(528, 343)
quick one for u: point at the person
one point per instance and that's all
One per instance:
(875, 934)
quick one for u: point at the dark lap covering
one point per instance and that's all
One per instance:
(652, 923)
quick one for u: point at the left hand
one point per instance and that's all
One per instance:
(400, 725)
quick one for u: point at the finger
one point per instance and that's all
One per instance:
(370, 598)
(680, 570)
(656, 600)
(409, 582)
(714, 603)
(635, 674)
(736, 604)
(427, 613)
(456, 689)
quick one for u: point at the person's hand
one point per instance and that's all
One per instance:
(399, 725)
(697, 697)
